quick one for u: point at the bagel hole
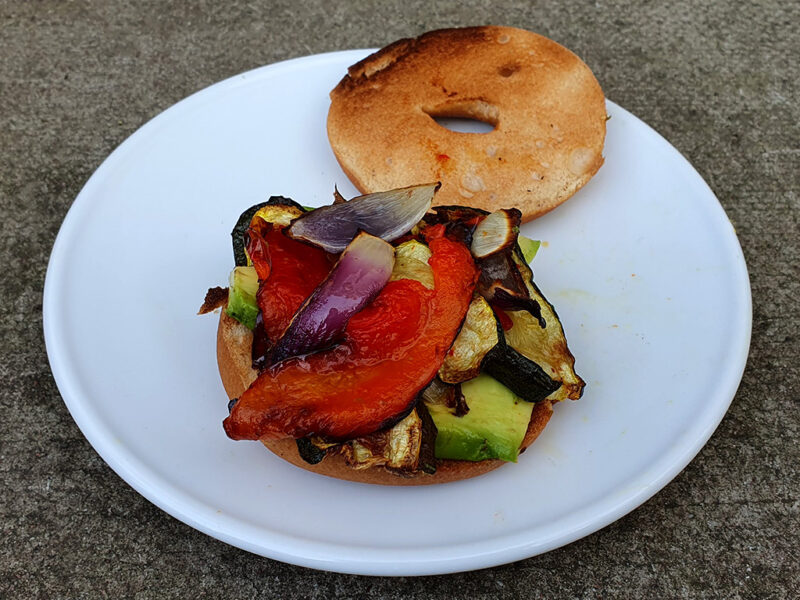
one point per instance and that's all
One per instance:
(470, 116)
(464, 124)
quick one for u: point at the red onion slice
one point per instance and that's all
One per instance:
(360, 274)
(387, 215)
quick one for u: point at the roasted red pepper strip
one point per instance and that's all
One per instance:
(289, 270)
(391, 350)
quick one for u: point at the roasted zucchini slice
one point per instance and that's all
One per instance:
(407, 447)
(277, 210)
(411, 262)
(546, 346)
(477, 337)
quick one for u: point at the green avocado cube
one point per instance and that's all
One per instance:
(529, 247)
(494, 427)
(242, 290)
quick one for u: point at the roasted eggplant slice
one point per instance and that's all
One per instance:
(477, 337)
(505, 300)
(546, 346)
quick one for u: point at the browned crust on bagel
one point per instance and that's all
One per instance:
(233, 357)
(546, 105)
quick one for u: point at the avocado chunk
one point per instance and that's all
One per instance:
(242, 304)
(494, 427)
(529, 247)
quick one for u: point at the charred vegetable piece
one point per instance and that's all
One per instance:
(446, 395)
(477, 337)
(310, 452)
(546, 346)
(507, 301)
(284, 209)
(427, 451)
(387, 215)
(396, 448)
(337, 196)
(502, 284)
(496, 233)
(278, 214)
(216, 297)
(360, 274)
(493, 240)
(438, 392)
(462, 407)
(314, 449)
(391, 350)
(407, 447)
(520, 374)
(481, 346)
(459, 221)
(494, 427)
(289, 271)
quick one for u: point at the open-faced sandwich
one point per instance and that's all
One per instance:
(380, 340)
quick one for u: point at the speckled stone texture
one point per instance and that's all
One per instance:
(719, 80)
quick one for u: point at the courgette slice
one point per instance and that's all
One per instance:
(517, 372)
(411, 262)
(481, 346)
(477, 337)
(396, 448)
(546, 346)
(407, 447)
(274, 210)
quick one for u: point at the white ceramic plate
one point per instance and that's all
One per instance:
(642, 265)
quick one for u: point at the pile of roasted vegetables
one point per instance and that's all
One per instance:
(389, 332)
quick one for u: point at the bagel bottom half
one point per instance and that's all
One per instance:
(234, 342)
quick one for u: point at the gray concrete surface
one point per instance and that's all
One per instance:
(719, 80)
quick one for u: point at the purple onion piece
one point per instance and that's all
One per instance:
(387, 215)
(360, 274)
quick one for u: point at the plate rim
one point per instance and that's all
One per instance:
(322, 555)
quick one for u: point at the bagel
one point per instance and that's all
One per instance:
(234, 342)
(547, 109)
